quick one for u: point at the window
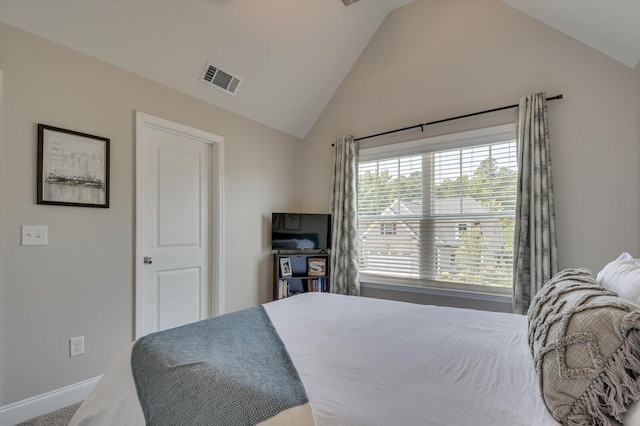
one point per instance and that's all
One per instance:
(460, 229)
(439, 212)
(388, 228)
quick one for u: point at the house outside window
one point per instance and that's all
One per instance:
(460, 229)
(439, 212)
(388, 228)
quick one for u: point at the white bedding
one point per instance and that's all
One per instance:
(367, 361)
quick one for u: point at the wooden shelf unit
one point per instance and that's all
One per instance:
(300, 280)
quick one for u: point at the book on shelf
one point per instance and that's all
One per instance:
(283, 289)
(316, 285)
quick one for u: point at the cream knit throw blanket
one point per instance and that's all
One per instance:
(585, 342)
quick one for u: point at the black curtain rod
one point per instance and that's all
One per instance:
(446, 119)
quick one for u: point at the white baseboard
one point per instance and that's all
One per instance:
(45, 403)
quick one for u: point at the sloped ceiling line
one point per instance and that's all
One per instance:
(277, 46)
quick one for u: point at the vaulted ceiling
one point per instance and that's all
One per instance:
(290, 55)
(610, 26)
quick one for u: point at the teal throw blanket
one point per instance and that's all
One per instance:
(229, 370)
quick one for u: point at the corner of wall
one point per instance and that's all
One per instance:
(1, 250)
(637, 70)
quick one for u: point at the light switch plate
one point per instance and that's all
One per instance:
(34, 235)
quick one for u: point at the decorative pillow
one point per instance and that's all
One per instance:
(585, 342)
(622, 276)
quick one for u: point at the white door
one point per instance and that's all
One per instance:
(177, 207)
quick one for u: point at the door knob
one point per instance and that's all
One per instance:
(147, 260)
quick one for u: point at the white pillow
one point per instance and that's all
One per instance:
(622, 276)
(632, 416)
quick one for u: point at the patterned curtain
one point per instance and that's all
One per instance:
(344, 275)
(535, 247)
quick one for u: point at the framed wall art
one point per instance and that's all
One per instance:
(73, 168)
(285, 267)
(317, 266)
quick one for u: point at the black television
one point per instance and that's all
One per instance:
(300, 231)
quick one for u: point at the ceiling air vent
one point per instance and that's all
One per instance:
(223, 80)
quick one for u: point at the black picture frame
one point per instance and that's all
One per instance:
(285, 267)
(73, 168)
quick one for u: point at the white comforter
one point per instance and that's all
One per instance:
(375, 362)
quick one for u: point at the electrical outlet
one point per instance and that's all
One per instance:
(76, 346)
(34, 235)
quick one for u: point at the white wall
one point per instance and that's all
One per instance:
(637, 253)
(82, 283)
(438, 59)
(1, 248)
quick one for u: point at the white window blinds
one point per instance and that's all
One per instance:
(440, 210)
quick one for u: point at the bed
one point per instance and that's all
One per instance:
(365, 361)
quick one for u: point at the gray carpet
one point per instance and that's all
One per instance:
(62, 417)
